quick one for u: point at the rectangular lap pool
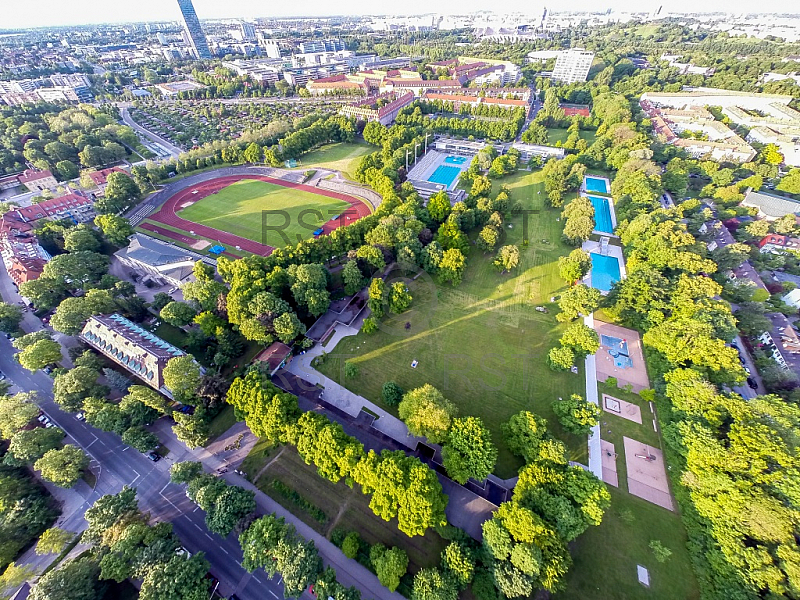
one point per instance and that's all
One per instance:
(444, 175)
(595, 184)
(605, 271)
(602, 214)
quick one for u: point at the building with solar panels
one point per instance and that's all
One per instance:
(193, 30)
(135, 349)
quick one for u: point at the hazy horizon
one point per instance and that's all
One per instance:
(52, 13)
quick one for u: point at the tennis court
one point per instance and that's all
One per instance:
(602, 214)
(444, 175)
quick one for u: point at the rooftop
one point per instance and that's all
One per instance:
(771, 206)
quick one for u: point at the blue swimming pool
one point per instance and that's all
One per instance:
(602, 214)
(605, 271)
(455, 160)
(596, 184)
(444, 175)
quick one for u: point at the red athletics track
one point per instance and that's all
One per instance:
(167, 214)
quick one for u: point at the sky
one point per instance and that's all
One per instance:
(19, 13)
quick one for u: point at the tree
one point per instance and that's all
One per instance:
(451, 267)
(71, 388)
(16, 412)
(524, 433)
(351, 544)
(44, 292)
(186, 471)
(487, 238)
(771, 154)
(120, 191)
(29, 445)
(399, 298)
(507, 258)
(253, 153)
(116, 229)
(352, 278)
(378, 296)
(432, 584)
(40, 354)
(427, 413)
(140, 439)
(575, 266)
(78, 268)
(73, 312)
(76, 579)
(182, 376)
(288, 327)
(230, 508)
(178, 314)
(63, 467)
(439, 206)
(469, 451)
(582, 339)
(392, 393)
(458, 561)
(10, 317)
(67, 170)
(577, 415)
(53, 541)
(390, 565)
(561, 359)
(578, 300)
(79, 239)
(180, 578)
(190, 429)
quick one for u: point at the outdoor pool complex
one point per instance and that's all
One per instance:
(445, 175)
(602, 214)
(605, 271)
(594, 184)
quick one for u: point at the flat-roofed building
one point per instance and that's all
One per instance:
(771, 207)
(163, 262)
(137, 350)
(572, 66)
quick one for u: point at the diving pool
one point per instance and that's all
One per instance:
(602, 214)
(595, 184)
(605, 271)
(444, 175)
(455, 160)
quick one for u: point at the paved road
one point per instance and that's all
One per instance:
(174, 150)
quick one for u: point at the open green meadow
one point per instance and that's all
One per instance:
(337, 157)
(238, 208)
(560, 135)
(606, 556)
(482, 343)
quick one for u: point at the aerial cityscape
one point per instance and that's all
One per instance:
(485, 303)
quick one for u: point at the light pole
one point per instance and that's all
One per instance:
(426, 142)
(415, 153)
(406, 160)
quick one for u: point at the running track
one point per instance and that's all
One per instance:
(167, 214)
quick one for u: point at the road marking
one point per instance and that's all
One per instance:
(273, 593)
(225, 551)
(212, 539)
(198, 526)
(135, 471)
(258, 580)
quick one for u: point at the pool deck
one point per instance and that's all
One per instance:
(593, 247)
(426, 165)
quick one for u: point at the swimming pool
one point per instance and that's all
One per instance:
(605, 271)
(596, 184)
(602, 214)
(455, 160)
(444, 175)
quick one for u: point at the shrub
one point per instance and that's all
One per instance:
(351, 544)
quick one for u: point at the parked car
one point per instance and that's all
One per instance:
(747, 370)
(153, 456)
(172, 290)
(181, 551)
(752, 383)
(81, 416)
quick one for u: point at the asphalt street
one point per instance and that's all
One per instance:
(174, 150)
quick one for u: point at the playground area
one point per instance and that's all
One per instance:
(647, 476)
(626, 410)
(621, 356)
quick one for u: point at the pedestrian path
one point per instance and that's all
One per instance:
(595, 450)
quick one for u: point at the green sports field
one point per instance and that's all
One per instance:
(238, 209)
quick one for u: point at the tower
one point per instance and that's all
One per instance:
(194, 32)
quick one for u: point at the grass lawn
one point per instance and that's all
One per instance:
(482, 344)
(606, 556)
(238, 208)
(337, 157)
(345, 508)
(555, 135)
(222, 422)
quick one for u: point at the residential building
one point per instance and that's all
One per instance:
(36, 181)
(370, 109)
(471, 97)
(193, 30)
(769, 206)
(271, 48)
(140, 352)
(23, 258)
(572, 66)
(329, 45)
(792, 298)
(276, 356)
(782, 343)
(779, 244)
(747, 275)
(73, 206)
(158, 261)
(787, 139)
(100, 178)
(528, 151)
(248, 31)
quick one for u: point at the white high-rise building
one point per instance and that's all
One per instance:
(573, 65)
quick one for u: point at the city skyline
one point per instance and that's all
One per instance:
(78, 12)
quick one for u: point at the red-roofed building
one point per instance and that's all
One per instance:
(365, 110)
(74, 206)
(458, 99)
(23, 257)
(419, 86)
(779, 244)
(276, 356)
(100, 178)
(36, 181)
